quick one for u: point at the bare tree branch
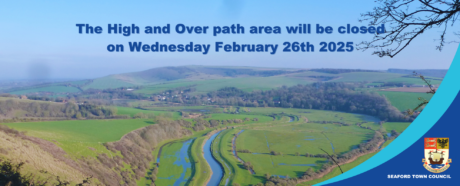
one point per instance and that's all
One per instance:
(404, 20)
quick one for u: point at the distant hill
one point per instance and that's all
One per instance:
(426, 72)
(204, 79)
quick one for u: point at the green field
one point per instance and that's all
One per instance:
(316, 115)
(289, 139)
(297, 138)
(76, 137)
(52, 89)
(405, 100)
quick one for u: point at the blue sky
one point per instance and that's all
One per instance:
(40, 39)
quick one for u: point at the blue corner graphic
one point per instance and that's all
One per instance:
(404, 155)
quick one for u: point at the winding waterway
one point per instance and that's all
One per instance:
(217, 169)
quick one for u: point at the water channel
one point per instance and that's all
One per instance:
(217, 169)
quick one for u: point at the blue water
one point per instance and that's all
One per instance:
(217, 170)
(183, 161)
(311, 165)
(333, 150)
(279, 176)
(303, 164)
(167, 178)
(268, 145)
(298, 146)
(230, 173)
(436, 166)
(389, 134)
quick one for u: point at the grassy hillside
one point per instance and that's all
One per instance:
(39, 162)
(180, 75)
(243, 83)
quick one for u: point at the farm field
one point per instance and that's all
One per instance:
(415, 80)
(79, 137)
(405, 100)
(367, 76)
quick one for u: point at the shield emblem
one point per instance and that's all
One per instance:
(437, 154)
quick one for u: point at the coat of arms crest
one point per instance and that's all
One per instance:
(437, 154)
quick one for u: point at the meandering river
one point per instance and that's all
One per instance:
(217, 169)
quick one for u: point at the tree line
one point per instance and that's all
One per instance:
(321, 96)
(9, 109)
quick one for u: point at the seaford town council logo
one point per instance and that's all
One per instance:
(436, 155)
